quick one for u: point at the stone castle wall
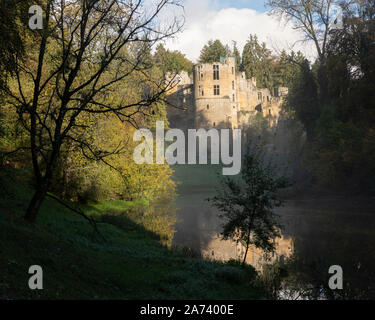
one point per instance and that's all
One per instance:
(215, 109)
(224, 99)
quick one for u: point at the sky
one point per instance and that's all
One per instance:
(229, 20)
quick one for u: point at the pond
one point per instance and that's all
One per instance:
(318, 231)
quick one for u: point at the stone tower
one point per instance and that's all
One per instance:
(216, 99)
(217, 95)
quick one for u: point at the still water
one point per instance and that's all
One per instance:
(320, 231)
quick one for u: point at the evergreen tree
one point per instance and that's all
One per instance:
(287, 68)
(257, 62)
(212, 52)
(237, 55)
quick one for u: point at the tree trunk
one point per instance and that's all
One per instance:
(244, 258)
(35, 203)
(248, 238)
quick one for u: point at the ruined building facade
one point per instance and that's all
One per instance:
(216, 95)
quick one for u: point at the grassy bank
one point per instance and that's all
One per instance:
(78, 264)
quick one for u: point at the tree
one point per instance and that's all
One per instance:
(287, 68)
(86, 51)
(12, 15)
(246, 205)
(257, 62)
(313, 18)
(13, 39)
(344, 141)
(172, 61)
(302, 100)
(212, 52)
(237, 55)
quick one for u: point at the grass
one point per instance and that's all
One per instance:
(77, 264)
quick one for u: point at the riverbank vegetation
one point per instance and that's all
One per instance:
(334, 96)
(71, 97)
(76, 92)
(131, 263)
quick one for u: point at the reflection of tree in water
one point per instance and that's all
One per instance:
(333, 232)
(200, 224)
(324, 231)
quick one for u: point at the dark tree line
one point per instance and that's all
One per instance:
(334, 96)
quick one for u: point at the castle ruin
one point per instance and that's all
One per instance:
(216, 95)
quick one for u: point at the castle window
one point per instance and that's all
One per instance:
(216, 72)
(233, 85)
(214, 124)
(259, 95)
(199, 73)
(232, 70)
(234, 107)
(216, 90)
(208, 106)
(234, 98)
(200, 91)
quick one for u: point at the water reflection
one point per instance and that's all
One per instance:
(317, 232)
(218, 249)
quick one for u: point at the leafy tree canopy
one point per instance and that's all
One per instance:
(172, 61)
(247, 204)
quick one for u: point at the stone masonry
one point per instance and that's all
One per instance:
(218, 96)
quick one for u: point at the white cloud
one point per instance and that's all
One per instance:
(205, 22)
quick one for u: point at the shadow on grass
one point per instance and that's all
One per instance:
(78, 265)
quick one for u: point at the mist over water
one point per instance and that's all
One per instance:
(319, 229)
